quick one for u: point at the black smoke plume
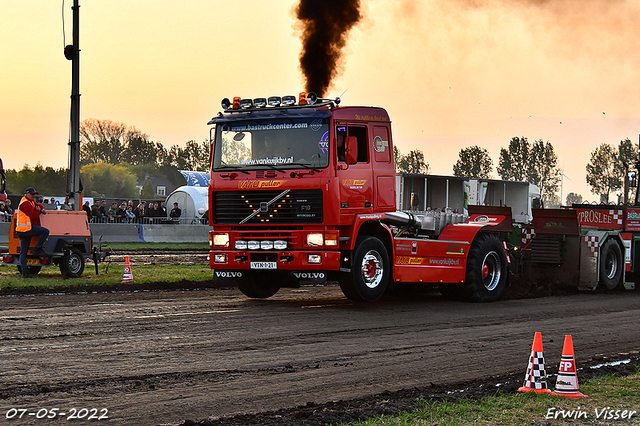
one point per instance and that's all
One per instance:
(325, 27)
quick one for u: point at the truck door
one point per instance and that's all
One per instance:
(355, 180)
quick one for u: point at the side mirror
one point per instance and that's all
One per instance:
(352, 150)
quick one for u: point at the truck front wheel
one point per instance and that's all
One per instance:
(486, 274)
(255, 288)
(611, 265)
(370, 271)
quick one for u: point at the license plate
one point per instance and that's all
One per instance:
(264, 265)
(32, 261)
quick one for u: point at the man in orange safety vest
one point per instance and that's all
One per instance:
(28, 226)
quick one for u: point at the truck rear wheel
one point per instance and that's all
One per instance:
(370, 271)
(255, 288)
(74, 265)
(486, 270)
(611, 265)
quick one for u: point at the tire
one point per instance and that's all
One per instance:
(486, 275)
(255, 288)
(75, 265)
(611, 265)
(370, 271)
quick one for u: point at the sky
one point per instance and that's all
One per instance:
(451, 73)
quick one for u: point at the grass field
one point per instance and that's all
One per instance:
(609, 397)
(111, 274)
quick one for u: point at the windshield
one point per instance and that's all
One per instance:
(272, 143)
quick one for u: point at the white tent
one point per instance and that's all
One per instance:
(192, 200)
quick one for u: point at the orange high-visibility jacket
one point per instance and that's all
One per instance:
(23, 221)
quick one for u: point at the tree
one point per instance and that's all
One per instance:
(101, 141)
(413, 162)
(108, 180)
(147, 190)
(474, 162)
(603, 172)
(628, 161)
(543, 170)
(191, 157)
(573, 198)
(514, 161)
(139, 150)
(47, 180)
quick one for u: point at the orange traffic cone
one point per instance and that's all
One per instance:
(127, 277)
(536, 378)
(567, 384)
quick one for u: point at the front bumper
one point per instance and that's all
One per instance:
(302, 260)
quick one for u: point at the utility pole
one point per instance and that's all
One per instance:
(72, 53)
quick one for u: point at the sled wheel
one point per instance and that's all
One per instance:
(74, 265)
(255, 288)
(486, 270)
(370, 271)
(611, 265)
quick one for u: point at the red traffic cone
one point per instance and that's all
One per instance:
(567, 383)
(127, 277)
(535, 380)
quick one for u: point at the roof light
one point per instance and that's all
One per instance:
(288, 100)
(226, 103)
(302, 98)
(260, 102)
(312, 98)
(236, 102)
(246, 103)
(274, 101)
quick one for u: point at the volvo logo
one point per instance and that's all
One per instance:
(309, 275)
(228, 274)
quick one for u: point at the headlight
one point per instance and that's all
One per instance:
(241, 245)
(253, 245)
(280, 245)
(266, 245)
(315, 240)
(314, 258)
(221, 240)
(220, 258)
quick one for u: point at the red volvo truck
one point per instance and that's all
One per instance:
(305, 189)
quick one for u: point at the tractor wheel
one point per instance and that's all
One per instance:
(74, 265)
(255, 288)
(486, 275)
(611, 265)
(370, 271)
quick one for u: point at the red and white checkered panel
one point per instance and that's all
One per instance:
(592, 243)
(526, 237)
(618, 216)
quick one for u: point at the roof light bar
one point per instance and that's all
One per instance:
(275, 101)
(304, 99)
(246, 103)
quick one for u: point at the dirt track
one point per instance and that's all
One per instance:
(162, 357)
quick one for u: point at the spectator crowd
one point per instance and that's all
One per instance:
(125, 212)
(99, 212)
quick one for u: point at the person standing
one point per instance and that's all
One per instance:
(175, 211)
(28, 226)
